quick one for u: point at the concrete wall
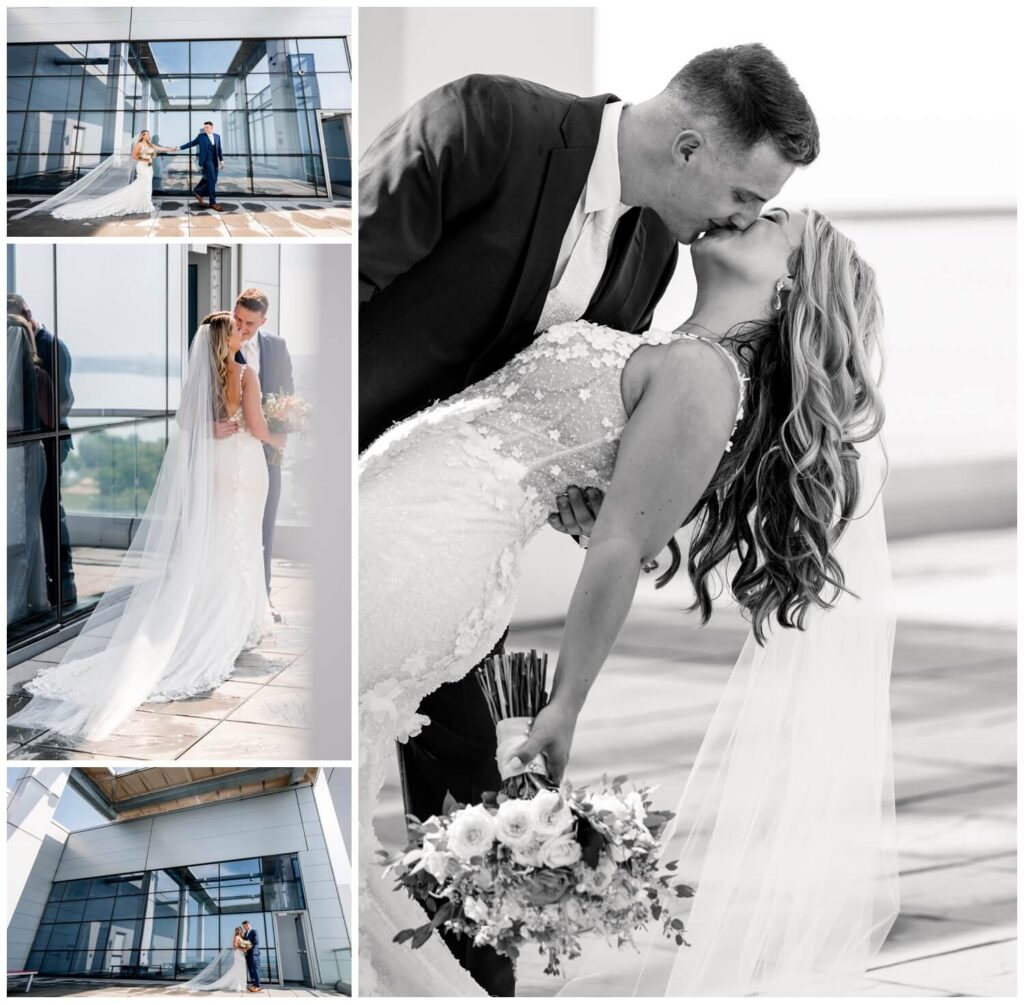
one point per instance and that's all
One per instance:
(406, 52)
(34, 846)
(100, 24)
(277, 823)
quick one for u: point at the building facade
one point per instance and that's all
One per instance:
(281, 102)
(158, 897)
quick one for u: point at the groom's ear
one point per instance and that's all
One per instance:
(686, 144)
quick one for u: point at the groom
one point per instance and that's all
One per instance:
(494, 208)
(267, 355)
(252, 956)
(211, 160)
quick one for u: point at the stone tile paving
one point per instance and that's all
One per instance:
(261, 712)
(954, 728)
(100, 988)
(181, 217)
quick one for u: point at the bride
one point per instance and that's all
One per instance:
(118, 186)
(190, 594)
(756, 421)
(227, 971)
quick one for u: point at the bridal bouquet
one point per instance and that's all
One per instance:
(538, 864)
(285, 413)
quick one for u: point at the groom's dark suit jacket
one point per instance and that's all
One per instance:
(275, 366)
(464, 202)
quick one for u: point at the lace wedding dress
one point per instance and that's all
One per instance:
(786, 823)
(190, 594)
(227, 973)
(470, 481)
(136, 197)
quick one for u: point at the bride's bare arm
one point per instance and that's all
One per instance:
(252, 410)
(669, 452)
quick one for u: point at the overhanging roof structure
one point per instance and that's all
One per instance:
(154, 790)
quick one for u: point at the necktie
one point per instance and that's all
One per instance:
(569, 299)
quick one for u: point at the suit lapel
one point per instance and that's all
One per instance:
(564, 179)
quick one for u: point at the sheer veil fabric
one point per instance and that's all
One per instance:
(786, 825)
(158, 616)
(225, 973)
(115, 172)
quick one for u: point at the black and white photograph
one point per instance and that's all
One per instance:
(687, 502)
(163, 463)
(187, 121)
(152, 881)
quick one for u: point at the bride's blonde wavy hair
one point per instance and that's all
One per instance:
(221, 324)
(783, 495)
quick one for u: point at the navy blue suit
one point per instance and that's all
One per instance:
(209, 155)
(252, 956)
(275, 378)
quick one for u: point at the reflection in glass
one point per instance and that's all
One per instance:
(55, 93)
(324, 55)
(21, 59)
(220, 56)
(166, 57)
(63, 59)
(17, 95)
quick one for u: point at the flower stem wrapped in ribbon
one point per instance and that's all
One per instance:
(515, 688)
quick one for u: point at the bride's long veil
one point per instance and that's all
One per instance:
(786, 825)
(129, 639)
(216, 975)
(116, 171)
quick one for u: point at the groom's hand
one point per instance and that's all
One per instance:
(551, 735)
(224, 428)
(577, 511)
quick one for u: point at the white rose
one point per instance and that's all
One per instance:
(575, 912)
(560, 852)
(436, 864)
(598, 879)
(471, 833)
(513, 909)
(551, 815)
(513, 825)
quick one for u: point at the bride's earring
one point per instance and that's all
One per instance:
(779, 286)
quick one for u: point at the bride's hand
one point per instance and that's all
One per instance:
(224, 428)
(551, 735)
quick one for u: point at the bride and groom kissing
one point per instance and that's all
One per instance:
(193, 590)
(514, 242)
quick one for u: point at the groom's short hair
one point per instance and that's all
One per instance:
(253, 299)
(208, 123)
(751, 95)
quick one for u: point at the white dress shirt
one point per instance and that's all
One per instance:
(251, 353)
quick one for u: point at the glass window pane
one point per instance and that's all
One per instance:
(15, 125)
(50, 913)
(90, 946)
(101, 93)
(129, 907)
(80, 889)
(63, 59)
(55, 963)
(17, 96)
(239, 895)
(268, 56)
(42, 937)
(324, 54)
(98, 909)
(168, 57)
(20, 60)
(31, 536)
(229, 125)
(216, 94)
(107, 885)
(157, 965)
(201, 899)
(285, 176)
(55, 93)
(57, 891)
(71, 910)
(273, 90)
(63, 936)
(280, 132)
(329, 90)
(124, 933)
(221, 56)
(246, 868)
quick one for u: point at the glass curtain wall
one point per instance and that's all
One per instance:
(165, 924)
(91, 384)
(70, 105)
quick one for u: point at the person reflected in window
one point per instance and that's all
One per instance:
(55, 365)
(28, 409)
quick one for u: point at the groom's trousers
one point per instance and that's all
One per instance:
(270, 518)
(208, 183)
(456, 753)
